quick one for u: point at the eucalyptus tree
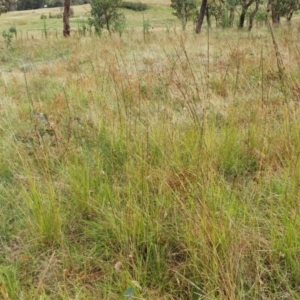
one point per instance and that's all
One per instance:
(217, 8)
(224, 11)
(203, 8)
(290, 7)
(282, 8)
(184, 10)
(231, 5)
(245, 5)
(104, 13)
(253, 13)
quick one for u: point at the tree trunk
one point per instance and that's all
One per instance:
(107, 19)
(242, 18)
(66, 18)
(275, 14)
(291, 10)
(252, 15)
(244, 11)
(208, 18)
(201, 16)
(275, 17)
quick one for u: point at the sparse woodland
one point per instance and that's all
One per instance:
(151, 162)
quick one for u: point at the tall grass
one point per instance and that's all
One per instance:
(126, 169)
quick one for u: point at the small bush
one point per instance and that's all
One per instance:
(55, 16)
(60, 15)
(7, 37)
(119, 24)
(13, 29)
(43, 17)
(137, 6)
(260, 16)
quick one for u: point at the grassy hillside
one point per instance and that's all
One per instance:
(157, 166)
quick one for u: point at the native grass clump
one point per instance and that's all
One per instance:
(151, 169)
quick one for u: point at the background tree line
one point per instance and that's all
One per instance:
(227, 13)
(11, 5)
(224, 13)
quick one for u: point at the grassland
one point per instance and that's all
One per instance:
(30, 24)
(157, 166)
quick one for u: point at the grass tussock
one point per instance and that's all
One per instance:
(154, 169)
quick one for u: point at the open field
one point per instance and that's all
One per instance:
(30, 22)
(157, 166)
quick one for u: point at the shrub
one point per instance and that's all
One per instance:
(13, 29)
(55, 16)
(7, 37)
(43, 17)
(105, 13)
(60, 15)
(119, 24)
(260, 16)
(184, 10)
(137, 6)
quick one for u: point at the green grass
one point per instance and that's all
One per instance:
(131, 165)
